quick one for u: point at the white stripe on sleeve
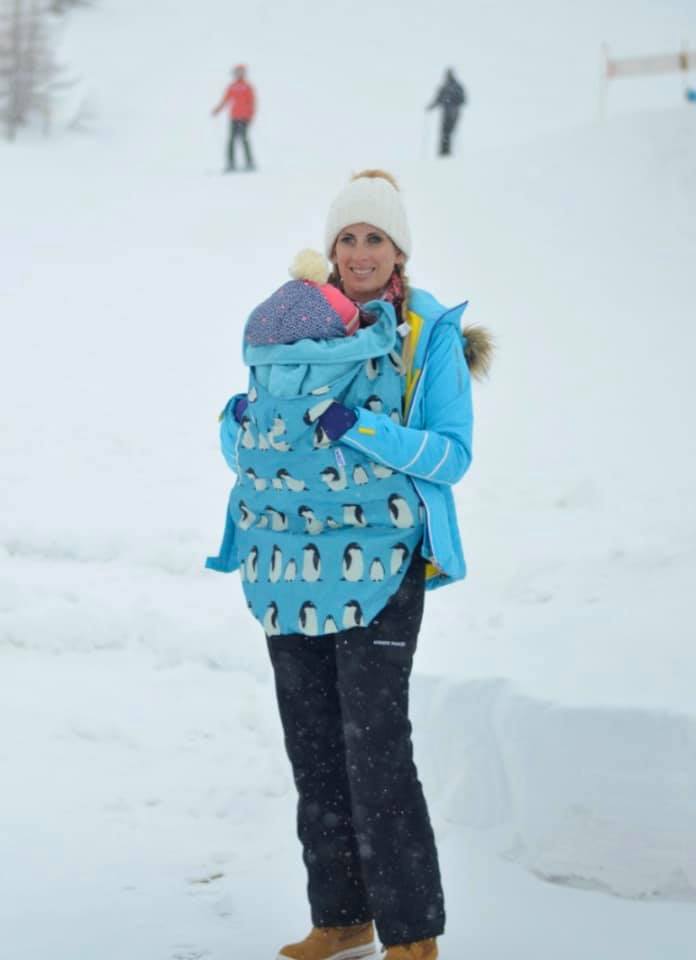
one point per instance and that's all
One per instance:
(444, 457)
(418, 453)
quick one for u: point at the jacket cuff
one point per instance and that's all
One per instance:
(364, 433)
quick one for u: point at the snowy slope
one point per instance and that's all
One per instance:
(334, 83)
(553, 696)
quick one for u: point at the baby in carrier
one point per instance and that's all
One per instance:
(321, 534)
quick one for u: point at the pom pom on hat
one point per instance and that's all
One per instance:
(310, 265)
(373, 197)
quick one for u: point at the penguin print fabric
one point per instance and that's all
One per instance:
(323, 536)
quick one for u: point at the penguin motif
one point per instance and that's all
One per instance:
(252, 395)
(354, 515)
(376, 570)
(313, 413)
(311, 564)
(399, 511)
(330, 625)
(290, 571)
(247, 516)
(312, 524)
(260, 483)
(321, 438)
(279, 520)
(278, 427)
(291, 482)
(276, 564)
(352, 615)
(395, 416)
(374, 403)
(353, 564)
(372, 369)
(277, 430)
(360, 476)
(395, 360)
(320, 390)
(242, 571)
(333, 524)
(252, 565)
(334, 479)
(380, 471)
(308, 619)
(247, 436)
(280, 446)
(399, 556)
(270, 620)
(277, 483)
(262, 522)
(263, 442)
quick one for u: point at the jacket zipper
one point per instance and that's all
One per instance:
(428, 521)
(421, 378)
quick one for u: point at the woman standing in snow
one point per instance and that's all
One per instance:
(368, 845)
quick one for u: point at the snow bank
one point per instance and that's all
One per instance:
(590, 798)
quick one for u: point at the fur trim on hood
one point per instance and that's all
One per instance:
(478, 350)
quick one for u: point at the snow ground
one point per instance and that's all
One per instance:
(148, 815)
(553, 695)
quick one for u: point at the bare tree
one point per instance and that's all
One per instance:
(60, 6)
(30, 76)
(10, 44)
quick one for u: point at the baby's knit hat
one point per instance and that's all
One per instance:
(304, 307)
(373, 197)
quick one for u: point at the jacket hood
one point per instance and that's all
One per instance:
(477, 340)
(478, 350)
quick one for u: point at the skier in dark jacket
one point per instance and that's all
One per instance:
(451, 97)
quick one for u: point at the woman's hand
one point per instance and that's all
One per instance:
(336, 419)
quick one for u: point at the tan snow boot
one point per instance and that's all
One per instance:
(333, 943)
(420, 950)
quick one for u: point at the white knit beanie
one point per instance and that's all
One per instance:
(371, 197)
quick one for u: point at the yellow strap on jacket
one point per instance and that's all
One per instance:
(415, 322)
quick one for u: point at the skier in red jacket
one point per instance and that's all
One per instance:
(240, 100)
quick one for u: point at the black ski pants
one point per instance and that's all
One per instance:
(362, 819)
(450, 116)
(239, 131)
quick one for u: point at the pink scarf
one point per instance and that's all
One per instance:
(393, 293)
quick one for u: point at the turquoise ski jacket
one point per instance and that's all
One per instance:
(434, 446)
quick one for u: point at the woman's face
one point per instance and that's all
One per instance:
(365, 258)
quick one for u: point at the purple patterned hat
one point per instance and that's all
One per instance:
(302, 308)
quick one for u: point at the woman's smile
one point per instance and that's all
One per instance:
(362, 271)
(365, 258)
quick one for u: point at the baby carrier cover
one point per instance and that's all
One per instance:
(323, 535)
